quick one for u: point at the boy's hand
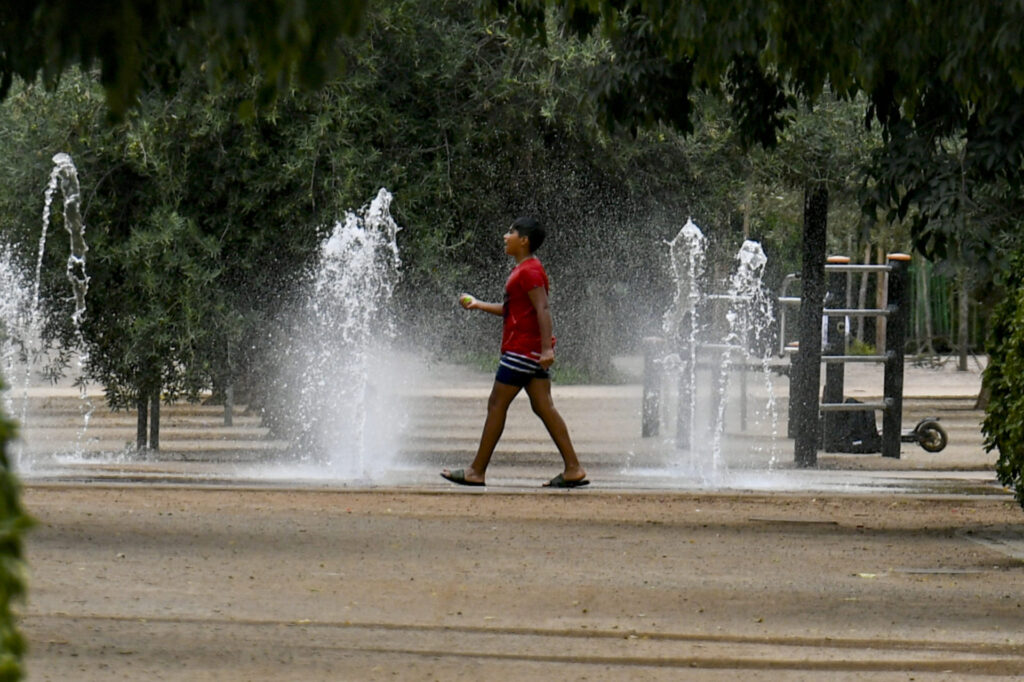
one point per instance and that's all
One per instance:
(546, 359)
(466, 301)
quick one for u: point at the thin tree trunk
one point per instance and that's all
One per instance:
(983, 397)
(862, 294)
(154, 421)
(140, 429)
(749, 199)
(965, 311)
(925, 300)
(881, 301)
(229, 405)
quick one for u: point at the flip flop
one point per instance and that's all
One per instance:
(560, 482)
(459, 476)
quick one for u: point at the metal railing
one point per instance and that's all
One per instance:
(834, 355)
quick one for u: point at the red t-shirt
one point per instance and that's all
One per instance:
(521, 332)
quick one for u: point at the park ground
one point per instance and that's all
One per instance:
(864, 569)
(169, 583)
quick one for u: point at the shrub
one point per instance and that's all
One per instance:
(13, 524)
(1004, 378)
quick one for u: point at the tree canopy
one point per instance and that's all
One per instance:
(144, 43)
(936, 75)
(203, 224)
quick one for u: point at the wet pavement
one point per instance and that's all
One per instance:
(442, 424)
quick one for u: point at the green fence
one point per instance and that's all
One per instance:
(935, 316)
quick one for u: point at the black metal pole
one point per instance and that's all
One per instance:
(895, 342)
(835, 344)
(687, 349)
(807, 375)
(651, 404)
(684, 404)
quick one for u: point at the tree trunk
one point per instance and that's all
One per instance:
(229, 405)
(984, 396)
(881, 301)
(862, 294)
(963, 335)
(154, 421)
(807, 371)
(748, 200)
(140, 429)
(925, 344)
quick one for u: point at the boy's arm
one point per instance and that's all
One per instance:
(492, 308)
(539, 299)
(470, 302)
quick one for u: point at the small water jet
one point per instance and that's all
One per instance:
(336, 367)
(720, 334)
(23, 311)
(15, 312)
(681, 325)
(66, 174)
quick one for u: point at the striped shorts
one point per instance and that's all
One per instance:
(519, 370)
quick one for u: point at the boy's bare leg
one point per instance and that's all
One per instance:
(501, 397)
(543, 406)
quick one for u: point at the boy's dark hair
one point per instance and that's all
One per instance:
(531, 229)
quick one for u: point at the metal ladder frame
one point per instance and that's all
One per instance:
(834, 357)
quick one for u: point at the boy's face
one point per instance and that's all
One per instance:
(515, 244)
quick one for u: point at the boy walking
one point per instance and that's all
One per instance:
(527, 351)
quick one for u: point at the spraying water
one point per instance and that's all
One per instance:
(76, 274)
(64, 177)
(747, 320)
(681, 325)
(346, 345)
(693, 343)
(15, 306)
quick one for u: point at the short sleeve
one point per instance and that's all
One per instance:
(532, 277)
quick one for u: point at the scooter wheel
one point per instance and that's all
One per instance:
(931, 436)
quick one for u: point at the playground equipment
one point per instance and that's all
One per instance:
(827, 422)
(838, 431)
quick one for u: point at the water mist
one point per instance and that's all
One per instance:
(338, 361)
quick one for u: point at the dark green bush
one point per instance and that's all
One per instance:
(13, 523)
(1004, 378)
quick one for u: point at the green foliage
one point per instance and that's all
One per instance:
(13, 525)
(945, 81)
(142, 43)
(858, 347)
(1004, 377)
(163, 274)
(467, 125)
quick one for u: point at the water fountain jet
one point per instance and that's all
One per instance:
(23, 312)
(335, 371)
(720, 333)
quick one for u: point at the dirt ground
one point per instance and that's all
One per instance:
(215, 583)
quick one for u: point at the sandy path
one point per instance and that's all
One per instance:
(150, 583)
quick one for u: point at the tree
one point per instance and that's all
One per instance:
(934, 76)
(148, 346)
(185, 197)
(141, 43)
